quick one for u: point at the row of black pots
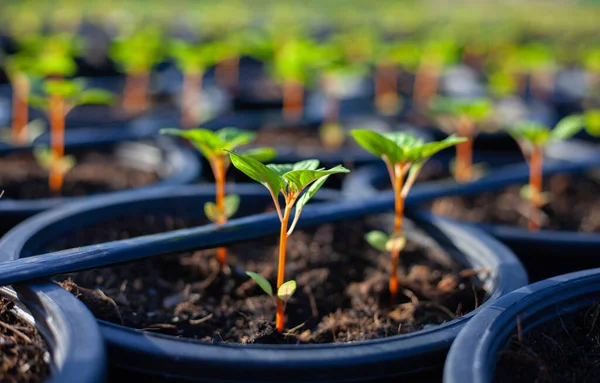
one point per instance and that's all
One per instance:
(159, 356)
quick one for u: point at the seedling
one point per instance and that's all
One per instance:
(211, 145)
(137, 53)
(192, 60)
(58, 99)
(404, 156)
(284, 292)
(533, 137)
(437, 54)
(463, 115)
(298, 183)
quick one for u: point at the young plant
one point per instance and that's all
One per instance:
(404, 156)
(18, 68)
(284, 292)
(192, 60)
(436, 54)
(137, 53)
(58, 99)
(298, 183)
(211, 145)
(533, 137)
(463, 115)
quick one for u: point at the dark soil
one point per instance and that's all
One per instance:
(342, 293)
(574, 205)
(564, 350)
(24, 353)
(22, 178)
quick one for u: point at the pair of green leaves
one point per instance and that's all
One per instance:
(384, 242)
(193, 58)
(541, 135)
(46, 159)
(232, 204)
(211, 143)
(289, 179)
(401, 146)
(475, 109)
(284, 292)
(139, 51)
(72, 91)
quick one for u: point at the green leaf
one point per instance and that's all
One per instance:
(306, 165)
(567, 128)
(233, 137)
(206, 141)
(258, 172)
(308, 194)
(212, 212)
(281, 169)
(429, 149)
(94, 96)
(299, 179)
(38, 101)
(286, 290)
(377, 144)
(377, 239)
(529, 131)
(261, 282)
(261, 154)
(63, 88)
(232, 204)
(592, 122)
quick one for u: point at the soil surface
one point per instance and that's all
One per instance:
(22, 178)
(564, 350)
(24, 353)
(574, 205)
(342, 293)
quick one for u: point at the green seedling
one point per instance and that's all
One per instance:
(298, 183)
(284, 292)
(18, 67)
(211, 145)
(136, 54)
(533, 138)
(193, 60)
(58, 99)
(404, 156)
(462, 116)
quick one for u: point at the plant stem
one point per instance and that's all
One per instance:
(20, 110)
(218, 166)
(464, 150)
(386, 88)
(135, 94)
(399, 211)
(57, 138)
(426, 83)
(191, 97)
(293, 99)
(279, 318)
(227, 72)
(535, 185)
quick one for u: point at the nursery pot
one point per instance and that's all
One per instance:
(71, 333)
(173, 165)
(160, 356)
(544, 253)
(475, 352)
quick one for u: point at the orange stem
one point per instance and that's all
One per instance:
(191, 98)
(535, 185)
(464, 150)
(218, 167)
(228, 73)
(279, 317)
(426, 83)
(135, 94)
(57, 138)
(386, 87)
(399, 212)
(293, 99)
(20, 111)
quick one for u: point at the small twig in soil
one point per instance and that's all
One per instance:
(201, 320)
(16, 332)
(413, 298)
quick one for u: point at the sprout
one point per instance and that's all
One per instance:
(463, 114)
(533, 138)
(284, 292)
(136, 54)
(298, 183)
(211, 145)
(59, 98)
(403, 155)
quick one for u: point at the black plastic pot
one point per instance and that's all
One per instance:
(175, 166)
(71, 333)
(474, 353)
(544, 253)
(172, 358)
